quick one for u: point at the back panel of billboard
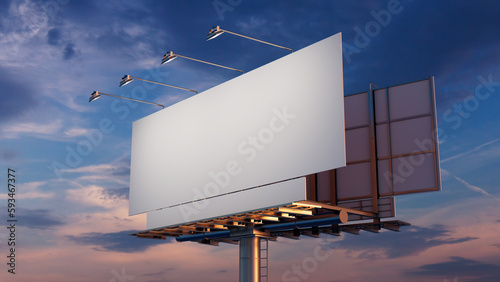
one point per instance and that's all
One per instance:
(281, 121)
(406, 146)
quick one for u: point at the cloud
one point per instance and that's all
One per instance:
(477, 148)
(40, 130)
(25, 24)
(97, 196)
(121, 193)
(254, 24)
(116, 172)
(73, 132)
(160, 272)
(92, 168)
(415, 240)
(460, 267)
(38, 219)
(117, 242)
(8, 155)
(470, 186)
(31, 191)
(17, 96)
(69, 51)
(53, 36)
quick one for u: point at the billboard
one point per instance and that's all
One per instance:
(403, 138)
(281, 121)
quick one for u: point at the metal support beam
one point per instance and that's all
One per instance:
(392, 227)
(203, 236)
(373, 152)
(311, 187)
(305, 223)
(333, 187)
(351, 230)
(333, 230)
(290, 235)
(250, 259)
(228, 241)
(337, 208)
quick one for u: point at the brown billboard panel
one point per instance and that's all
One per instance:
(407, 145)
(393, 128)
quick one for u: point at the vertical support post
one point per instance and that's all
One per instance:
(311, 187)
(333, 187)
(250, 259)
(389, 137)
(373, 152)
(435, 145)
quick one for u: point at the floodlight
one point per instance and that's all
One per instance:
(126, 79)
(216, 31)
(169, 56)
(96, 95)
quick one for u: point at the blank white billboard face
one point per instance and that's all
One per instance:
(278, 194)
(281, 121)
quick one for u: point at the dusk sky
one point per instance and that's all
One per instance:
(72, 193)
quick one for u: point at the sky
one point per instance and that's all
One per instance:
(72, 158)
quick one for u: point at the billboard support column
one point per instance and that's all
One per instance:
(250, 259)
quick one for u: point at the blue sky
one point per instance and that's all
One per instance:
(73, 208)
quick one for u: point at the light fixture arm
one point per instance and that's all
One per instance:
(201, 61)
(255, 39)
(135, 100)
(164, 84)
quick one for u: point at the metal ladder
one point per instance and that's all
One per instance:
(264, 260)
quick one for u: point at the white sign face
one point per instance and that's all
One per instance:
(278, 194)
(281, 121)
